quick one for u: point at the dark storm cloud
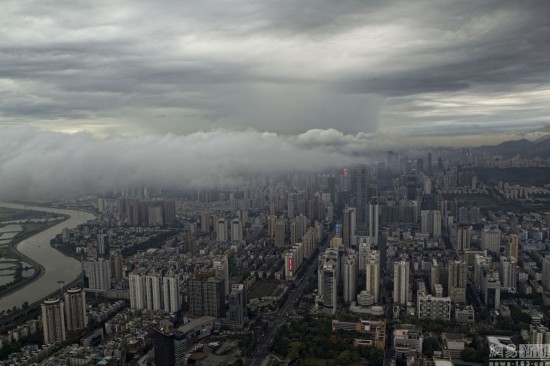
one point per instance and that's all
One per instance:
(184, 66)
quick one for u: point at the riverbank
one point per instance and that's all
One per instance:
(57, 267)
(39, 269)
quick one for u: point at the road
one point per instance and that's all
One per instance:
(263, 345)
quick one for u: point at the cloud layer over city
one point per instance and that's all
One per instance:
(391, 67)
(37, 164)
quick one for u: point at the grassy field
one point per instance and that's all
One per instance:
(11, 214)
(262, 288)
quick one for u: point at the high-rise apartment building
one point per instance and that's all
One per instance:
(97, 273)
(136, 284)
(431, 223)
(53, 321)
(372, 270)
(458, 280)
(350, 277)
(75, 309)
(221, 230)
(401, 270)
(171, 292)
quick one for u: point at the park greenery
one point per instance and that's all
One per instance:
(311, 339)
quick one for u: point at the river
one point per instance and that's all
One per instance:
(58, 267)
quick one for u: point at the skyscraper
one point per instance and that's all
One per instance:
(117, 271)
(401, 271)
(349, 226)
(53, 321)
(431, 223)
(508, 273)
(137, 295)
(237, 305)
(458, 279)
(490, 240)
(98, 274)
(153, 293)
(350, 277)
(359, 185)
(171, 292)
(512, 247)
(328, 279)
(373, 220)
(372, 270)
(221, 230)
(280, 233)
(236, 231)
(75, 309)
(463, 238)
(220, 264)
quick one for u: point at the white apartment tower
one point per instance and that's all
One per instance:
(401, 270)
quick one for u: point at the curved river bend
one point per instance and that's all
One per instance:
(58, 267)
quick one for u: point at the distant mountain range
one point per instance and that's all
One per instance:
(539, 147)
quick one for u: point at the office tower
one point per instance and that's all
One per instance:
(153, 293)
(280, 233)
(221, 230)
(349, 226)
(512, 247)
(156, 215)
(220, 264)
(194, 292)
(75, 309)
(136, 285)
(53, 321)
(171, 292)
(242, 215)
(373, 220)
(508, 273)
(359, 184)
(97, 273)
(236, 231)
(458, 279)
(103, 245)
(117, 271)
(169, 345)
(490, 240)
(328, 279)
(401, 270)
(431, 223)
(237, 305)
(463, 238)
(350, 277)
(372, 270)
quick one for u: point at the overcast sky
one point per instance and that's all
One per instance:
(419, 68)
(198, 92)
